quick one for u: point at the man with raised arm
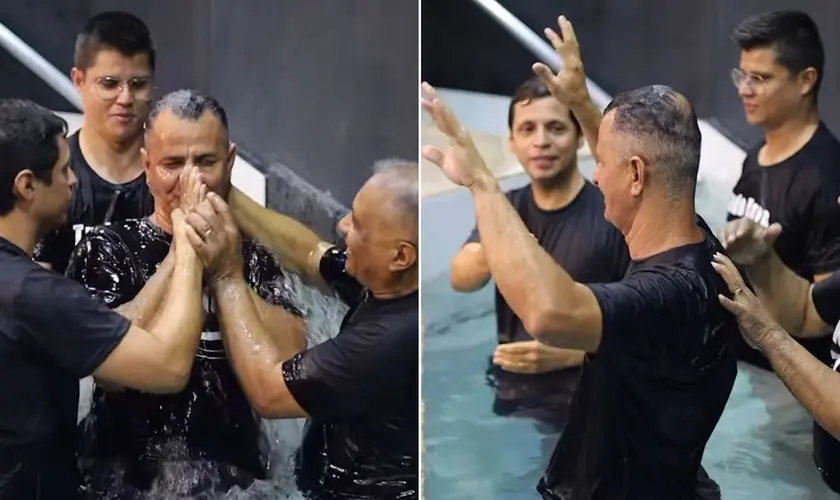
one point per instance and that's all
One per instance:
(632, 432)
(52, 333)
(360, 388)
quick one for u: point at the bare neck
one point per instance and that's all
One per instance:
(393, 289)
(559, 193)
(661, 228)
(789, 136)
(19, 230)
(162, 219)
(116, 162)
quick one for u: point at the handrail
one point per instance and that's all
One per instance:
(40, 66)
(536, 45)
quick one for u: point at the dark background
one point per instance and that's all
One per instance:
(625, 44)
(323, 87)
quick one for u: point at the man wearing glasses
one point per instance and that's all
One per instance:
(113, 69)
(792, 176)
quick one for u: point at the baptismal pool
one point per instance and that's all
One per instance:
(761, 449)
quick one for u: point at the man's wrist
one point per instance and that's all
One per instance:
(770, 338)
(484, 182)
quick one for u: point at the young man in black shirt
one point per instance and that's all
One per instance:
(52, 333)
(565, 213)
(652, 395)
(360, 388)
(791, 177)
(209, 430)
(114, 65)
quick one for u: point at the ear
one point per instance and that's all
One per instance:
(807, 79)
(405, 257)
(24, 186)
(636, 174)
(77, 76)
(146, 161)
(231, 158)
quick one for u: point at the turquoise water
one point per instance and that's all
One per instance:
(761, 449)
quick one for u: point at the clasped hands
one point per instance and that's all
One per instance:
(204, 223)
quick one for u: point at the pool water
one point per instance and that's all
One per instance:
(761, 448)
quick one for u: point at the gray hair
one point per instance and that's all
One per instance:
(189, 105)
(401, 179)
(663, 129)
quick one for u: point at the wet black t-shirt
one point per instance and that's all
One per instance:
(826, 297)
(51, 335)
(360, 392)
(801, 194)
(211, 419)
(650, 398)
(95, 202)
(591, 250)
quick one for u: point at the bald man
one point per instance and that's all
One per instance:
(359, 389)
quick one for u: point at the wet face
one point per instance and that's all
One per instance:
(544, 138)
(375, 248)
(173, 143)
(620, 179)
(115, 91)
(768, 90)
(48, 203)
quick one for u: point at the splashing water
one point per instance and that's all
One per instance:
(324, 314)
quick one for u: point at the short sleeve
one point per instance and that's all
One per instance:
(823, 240)
(645, 304)
(826, 297)
(104, 266)
(266, 278)
(355, 373)
(334, 273)
(58, 315)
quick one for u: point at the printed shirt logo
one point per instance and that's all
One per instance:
(835, 348)
(80, 230)
(211, 345)
(739, 206)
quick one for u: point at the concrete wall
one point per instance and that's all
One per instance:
(316, 91)
(625, 44)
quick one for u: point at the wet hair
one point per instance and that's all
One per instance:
(189, 105)
(662, 127)
(533, 88)
(120, 31)
(29, 137)
(401, 178)
(792, 35)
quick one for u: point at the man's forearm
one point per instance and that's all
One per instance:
(178, 326)
(782, 292)
(290, 240)
(810, 381)
(528, 278)
(143, 308)
(589, 117)
(254, 356)
(291, 339)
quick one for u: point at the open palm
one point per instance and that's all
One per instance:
(460, 161)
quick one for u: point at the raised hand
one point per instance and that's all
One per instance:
(461, 162)
(213, 234)
(753, 318)
(569, 85)
(746, 242)
(192, 188)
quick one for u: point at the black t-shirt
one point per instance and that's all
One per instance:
(51, 335)
(360, 391)
(95, 202)
(211, 419)
(801, 194)
(826, 297)
(591, 250)
(650, 398)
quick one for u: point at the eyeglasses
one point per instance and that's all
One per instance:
(754, 82)
(109, 88)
